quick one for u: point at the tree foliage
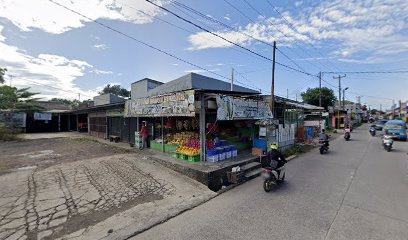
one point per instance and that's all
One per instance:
(21, 100)
(2, 73)
(115, 90)
(311, 96)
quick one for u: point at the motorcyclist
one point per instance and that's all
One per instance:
(324, 137)
(276, 155)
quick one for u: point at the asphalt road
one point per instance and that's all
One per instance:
(356, 191)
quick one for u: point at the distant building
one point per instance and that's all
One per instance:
(106, 99)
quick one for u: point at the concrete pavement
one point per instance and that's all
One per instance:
(356, 191)
(108, 197)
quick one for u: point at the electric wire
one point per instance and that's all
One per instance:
(139, 41)
(223, 38)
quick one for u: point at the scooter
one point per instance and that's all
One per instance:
(273, 177)
(372, 131)
(347, 134)
(387, 142)
(323, 146)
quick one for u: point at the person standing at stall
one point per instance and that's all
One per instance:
(145, 134)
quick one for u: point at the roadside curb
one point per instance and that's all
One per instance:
(291, 157)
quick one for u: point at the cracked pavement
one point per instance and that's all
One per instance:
(73, 198)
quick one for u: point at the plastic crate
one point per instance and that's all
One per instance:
(155, 146)
(170, 147)
(212, 158)
(174, 155)
(194, 158)
(183, 157)
(221, 156)
(228, 154)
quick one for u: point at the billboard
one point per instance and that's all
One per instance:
(231, 108)
(173, 104)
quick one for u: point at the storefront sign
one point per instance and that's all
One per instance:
(43, 116)
(174, 104)
(230, 108)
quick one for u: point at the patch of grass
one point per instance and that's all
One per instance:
(9, 134)
(296, 150)
(83, 140)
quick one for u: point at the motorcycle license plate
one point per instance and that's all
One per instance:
(266, 175)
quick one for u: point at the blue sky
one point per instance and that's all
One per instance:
(60, 54)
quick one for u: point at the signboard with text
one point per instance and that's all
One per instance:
(230, 108)
(174, 104)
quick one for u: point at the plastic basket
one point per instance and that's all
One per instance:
(212, 158)
(194, 158)
(221, 156)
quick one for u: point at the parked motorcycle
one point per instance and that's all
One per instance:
(372, 130)
(324, 147)
(387, 142)
(272, 177)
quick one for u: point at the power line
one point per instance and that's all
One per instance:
(284, 34)
(177, 4)
(368, 72)
(293, 28)
(181, 28)
(243, 14)
(59, 89)
(223, 38)
(139, 41)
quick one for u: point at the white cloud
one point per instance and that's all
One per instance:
(100, 46)
(97, 71)
(201, 71)
(175, 64)
(50, 75)
(227, 18)
(298, 3)
(352, 26)
(45, 15)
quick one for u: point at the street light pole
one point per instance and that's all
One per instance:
(344, 90)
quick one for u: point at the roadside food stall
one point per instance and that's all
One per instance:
(174, 123)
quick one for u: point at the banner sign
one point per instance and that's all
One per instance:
(43, 116)
(174, 104)
(13, 119)
(230, 108)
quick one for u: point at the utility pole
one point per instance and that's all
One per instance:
(287, 93)
(232, 79)
(338, 109)
(272, 102)
(320, 89)
(79, 97)
(393, 109)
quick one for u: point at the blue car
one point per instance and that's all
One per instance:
(397, 129)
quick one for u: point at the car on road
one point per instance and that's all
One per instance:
(379, 125)
(396, 129)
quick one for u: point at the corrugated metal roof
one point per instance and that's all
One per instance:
(193, 81)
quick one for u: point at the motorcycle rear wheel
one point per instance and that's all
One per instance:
(388, 148)
(321, 150)
(267, 185)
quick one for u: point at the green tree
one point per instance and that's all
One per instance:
(311, 96)
(115, 90)
(19, 100)
(2, 73)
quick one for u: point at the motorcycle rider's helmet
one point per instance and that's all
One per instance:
(274, 146)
